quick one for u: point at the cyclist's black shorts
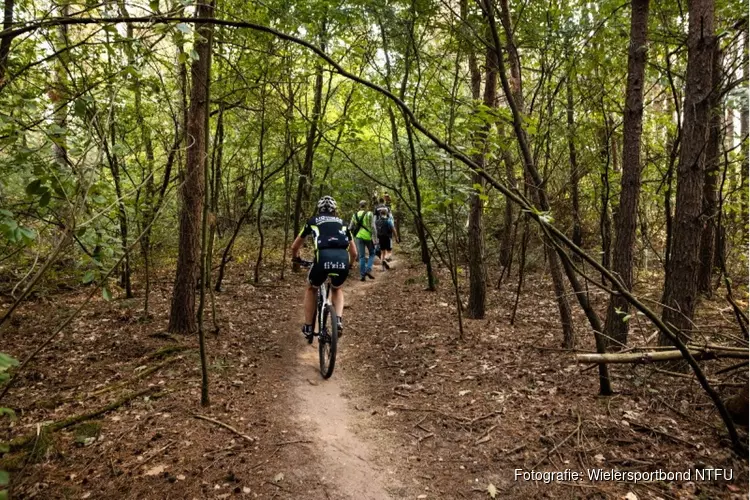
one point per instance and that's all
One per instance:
(333, 262)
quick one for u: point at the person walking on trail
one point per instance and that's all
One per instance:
(362, 226)
(332, 240)
(389, 205)
(385, 230)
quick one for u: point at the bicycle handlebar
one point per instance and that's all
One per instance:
(302, 262)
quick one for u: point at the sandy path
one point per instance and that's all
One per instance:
(323, 407)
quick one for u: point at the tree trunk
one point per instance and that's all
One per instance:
(539, 195)
(710, 183)
(5, 43)
(507, 240)
(680, 290)
(575, 174)
(605, 221)
(304, 184)
(506, 247)
(626, 219)
(745, 144)
(122, 216)
(262, 187)
(289, 146)
(477, 270)
(182, 313)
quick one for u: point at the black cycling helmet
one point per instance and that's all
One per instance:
(327, 204)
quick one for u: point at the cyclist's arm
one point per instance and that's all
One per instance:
(297, 246)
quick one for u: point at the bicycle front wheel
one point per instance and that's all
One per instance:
(327, 341)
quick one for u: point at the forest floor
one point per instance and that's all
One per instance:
(412, 411)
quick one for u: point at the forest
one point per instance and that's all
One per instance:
(569, 289)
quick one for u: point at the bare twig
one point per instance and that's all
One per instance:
(226, 426)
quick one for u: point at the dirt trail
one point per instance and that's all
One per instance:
(325, 409)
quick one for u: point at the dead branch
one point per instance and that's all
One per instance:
(23, 441)
(143, 374)
(226, 426)
(731, 368)
(656, 357)
(575, 431)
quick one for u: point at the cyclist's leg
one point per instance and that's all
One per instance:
(338, 277)
(310, 303)
(315, 278)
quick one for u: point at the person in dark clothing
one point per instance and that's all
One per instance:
(334, 253)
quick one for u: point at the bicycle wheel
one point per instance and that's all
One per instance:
(327, 340)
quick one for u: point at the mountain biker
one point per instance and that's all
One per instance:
(362, 226)
(332, 240)
(385, 230)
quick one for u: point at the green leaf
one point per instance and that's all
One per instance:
(33, 186)
(7, 411)
(194, 55)
(154, 5)
(7, 361)
(45, 198)
(106, 294)
(184, 28)
(89, 276)
(4, 477)
(79, 108)
(27, 234)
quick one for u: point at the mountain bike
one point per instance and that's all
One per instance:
(326, 326)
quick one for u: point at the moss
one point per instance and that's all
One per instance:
(40, 445)
(166, 351)
(86, 432)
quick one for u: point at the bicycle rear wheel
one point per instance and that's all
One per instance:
(327, 340)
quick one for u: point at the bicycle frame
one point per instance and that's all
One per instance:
(323, 300)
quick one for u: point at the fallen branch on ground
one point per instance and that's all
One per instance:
(658, 356)
(23, 441)
(226, 426)
(141, 375)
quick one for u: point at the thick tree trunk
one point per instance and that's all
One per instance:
(680, 290)
(710, 183)
(182, 313)
(626, 219)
